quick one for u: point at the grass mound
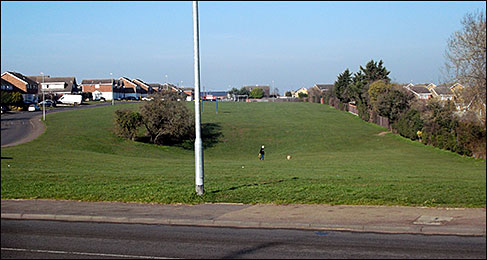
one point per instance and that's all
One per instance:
(336, 158)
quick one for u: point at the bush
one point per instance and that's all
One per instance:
(127, 123)
(11, 98)
(409, 124)
(167, 121)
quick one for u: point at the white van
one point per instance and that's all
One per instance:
(70, 99)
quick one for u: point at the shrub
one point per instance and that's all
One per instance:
(11, 98)
(127, 123)
(409, 124)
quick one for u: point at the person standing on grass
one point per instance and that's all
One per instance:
(261, 154)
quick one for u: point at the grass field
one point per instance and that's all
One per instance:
(336, 159)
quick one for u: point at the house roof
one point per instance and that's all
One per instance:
(420, 89)
(97, 81)
(443, 90)
(6, 83)
(324, 87)
(22, 77)
(69, 81)
(155, 85)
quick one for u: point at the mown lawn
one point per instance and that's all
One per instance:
(336, 159)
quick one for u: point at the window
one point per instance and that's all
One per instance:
(97, 86)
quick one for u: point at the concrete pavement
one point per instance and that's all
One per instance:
(380, 219)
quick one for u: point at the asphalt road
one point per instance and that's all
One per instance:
(20, 127)
(54, 239)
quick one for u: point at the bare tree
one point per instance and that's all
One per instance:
(466, 58)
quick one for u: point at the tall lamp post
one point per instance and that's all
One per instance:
(43, 99)
(198, 147)
(113, 92)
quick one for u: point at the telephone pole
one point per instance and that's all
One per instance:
(198, 147)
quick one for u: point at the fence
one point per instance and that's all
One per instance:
(374, 117)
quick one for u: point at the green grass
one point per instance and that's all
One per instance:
(336, 159)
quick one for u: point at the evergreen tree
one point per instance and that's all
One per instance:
(342, 86)
(375, 71)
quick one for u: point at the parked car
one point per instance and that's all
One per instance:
(130, 98)
(49, 103)
(34, 107)
(4, 109)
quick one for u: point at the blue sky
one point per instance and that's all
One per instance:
(287, 44)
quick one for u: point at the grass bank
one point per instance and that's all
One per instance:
(336, 159)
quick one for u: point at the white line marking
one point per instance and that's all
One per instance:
(83, 253)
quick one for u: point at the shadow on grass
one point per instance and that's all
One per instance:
(210, 135)
(253, 184)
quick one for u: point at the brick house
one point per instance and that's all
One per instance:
(145, 89)
(132, 89)
(103, 88)
(20, 83)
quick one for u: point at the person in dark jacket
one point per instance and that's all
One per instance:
(261, 153)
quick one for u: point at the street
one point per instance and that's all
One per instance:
(54, 239)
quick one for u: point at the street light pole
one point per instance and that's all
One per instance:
(43, 100)
(113, 92)
(198, 147)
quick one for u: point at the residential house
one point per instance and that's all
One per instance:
(171, 87)
(301, 90)
(55, 87)
(323, 88)
(430, 86)
(156, 87)
(108, 89)
(443, 92)
(131, 89)
(9, 87)
(145, 89)
(20, 83)
(420, 91)
(265, 88)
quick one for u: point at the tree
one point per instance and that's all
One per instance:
(11, 98)
(127, 123)
(257, 93)
(466, 58)
(167, 121)
(375, 89)
(288, 94)
(392, 102)
(234, 91)
(244, 91)
(374, 71)
(342, 86)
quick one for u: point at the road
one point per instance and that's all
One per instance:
(55, 239)
(22, 127)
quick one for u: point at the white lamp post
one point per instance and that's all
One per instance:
(198, 147)
(43, 100)
(113, 92)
